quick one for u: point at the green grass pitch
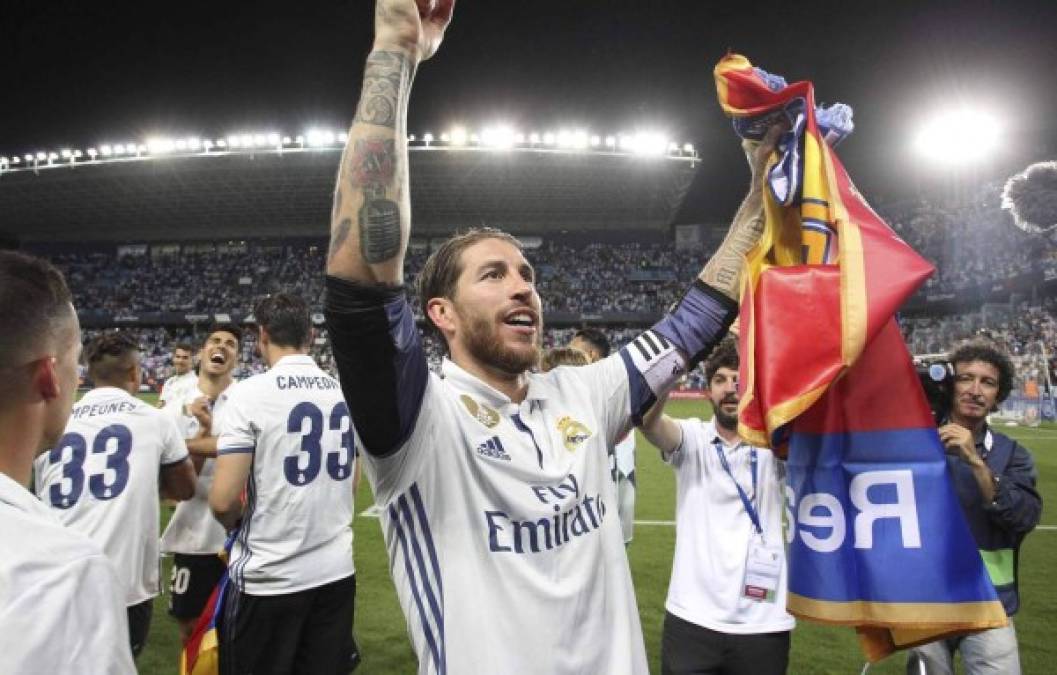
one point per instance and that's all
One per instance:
(816, 649)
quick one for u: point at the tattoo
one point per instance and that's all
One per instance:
(379, 229)
(386, 80)
(336, 211)
(338, 235)
(372, 168)
(723, 271)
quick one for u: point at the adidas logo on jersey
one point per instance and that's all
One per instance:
(493, 448)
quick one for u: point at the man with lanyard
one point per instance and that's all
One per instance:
(726, 600)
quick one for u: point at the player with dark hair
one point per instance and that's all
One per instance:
(183, 376)
(726, 605)
(285, 439)
(563, 356)
(61, 603)
(493, 481)
(592, 342)
(995, 478)
(127, 452)
(193, 536)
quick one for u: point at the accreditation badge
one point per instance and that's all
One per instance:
(763, 570)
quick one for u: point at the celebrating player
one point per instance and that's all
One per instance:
(193, 536)
(285, 438)
(62, 606)
(183, 376)
(103, 478)
(493, 482)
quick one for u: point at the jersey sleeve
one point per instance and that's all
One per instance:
(174, 449)
(234, 426)
(631, 380)
(380, 360)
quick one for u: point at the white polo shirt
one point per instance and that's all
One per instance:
(296, 532)
(102, 480)
(517, 499)
(713, 532)
(193, 530)
(62, 606)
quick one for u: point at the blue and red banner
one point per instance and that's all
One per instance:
(878, 538)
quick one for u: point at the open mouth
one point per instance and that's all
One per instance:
(521, 319)
(218, 359)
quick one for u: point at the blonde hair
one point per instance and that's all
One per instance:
(563, 356)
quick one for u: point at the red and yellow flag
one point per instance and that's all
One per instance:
(877, 538)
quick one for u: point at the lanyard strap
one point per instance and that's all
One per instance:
(745, 501)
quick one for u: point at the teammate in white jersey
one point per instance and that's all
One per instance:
(104, 475)
(183, 377)
(726, 601)
(595, 344)
(286, 441)
(494, 482)
(193, 535)
(62, 606)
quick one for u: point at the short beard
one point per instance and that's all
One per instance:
(728, 422)
(483, 345)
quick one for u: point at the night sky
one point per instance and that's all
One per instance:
(79, 73)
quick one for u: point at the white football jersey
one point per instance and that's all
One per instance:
(296, 532)
(517, 499)
(62, 608)
(175, 388)
(102, 480)
(713, 532)
(193, 530)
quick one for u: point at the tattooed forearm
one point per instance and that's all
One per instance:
(386, 81)
(372, 169)
(723, 270)
(338, 234)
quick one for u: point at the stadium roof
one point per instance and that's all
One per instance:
(286, 192)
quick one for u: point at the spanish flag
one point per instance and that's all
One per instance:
(877, 538)
(201, 652)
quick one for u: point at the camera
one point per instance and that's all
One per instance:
(937, 379)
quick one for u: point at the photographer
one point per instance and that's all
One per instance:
(994, 477)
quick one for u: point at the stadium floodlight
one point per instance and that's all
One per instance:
(445, 137)
(343, 137)
(140, 149)
(287, 140)
(234, 141)
(596, 141)
(300, 140)
(160, 146)
(29, 157)
(92, 152)
(611, 142)
(222, 143)
(579, 140)
(498, 137)
(77, 154)
(534, 138)
(317, 138)
(411, 138)
(16, 160)
(194, 143)
(105, 150)
(673, 148)
(260, 140)
(649, 143)
(625, 142)
(564, 139)
(475, 139)
(3, 161)
(52, 156)
(180, 144)
(274, 139)
(688, 148)
(959, 136)
(119, 149)
(519, 139)
(427, 137)
(550, 138)
(458, 136)
(66, 153)
(247, 140)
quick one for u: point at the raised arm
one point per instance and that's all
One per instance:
(371, 218)
(660, 429)
(723, 270)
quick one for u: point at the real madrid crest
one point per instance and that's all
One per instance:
(573, 433)
(480, 412)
